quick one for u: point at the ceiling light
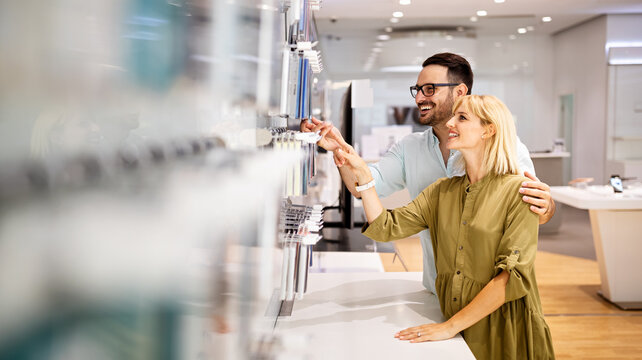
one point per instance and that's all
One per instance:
(499, 1)
(530, 28)
(473, 18)
(512, 36)
(421, 44)
(397, 14)
(547, 19)
(404, 2)
(521, 30)
(482, 13)
(394, 20)
(388, 29)
(449, 37)
(383, 37)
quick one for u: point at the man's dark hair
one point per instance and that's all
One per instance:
(459, 70)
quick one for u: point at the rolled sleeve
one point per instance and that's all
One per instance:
(517, 249)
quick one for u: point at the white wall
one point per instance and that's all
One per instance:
(580, 69)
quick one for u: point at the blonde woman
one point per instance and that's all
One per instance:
(483, 234)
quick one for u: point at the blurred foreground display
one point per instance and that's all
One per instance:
(145, 170)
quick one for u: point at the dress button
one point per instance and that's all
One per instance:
(516, 251)
(458, 272)
(464, 222)
(454, 299)
(461, 247)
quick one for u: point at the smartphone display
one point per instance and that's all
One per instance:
(616, 183)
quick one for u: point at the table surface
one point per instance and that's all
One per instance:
(598, 198)
(355, 316)
(548, 155)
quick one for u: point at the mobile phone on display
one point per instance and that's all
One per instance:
(616, 183)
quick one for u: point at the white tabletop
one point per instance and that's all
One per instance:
(355, 316)
(540, 155)
(598, 198)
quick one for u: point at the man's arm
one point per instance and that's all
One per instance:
(535, 192)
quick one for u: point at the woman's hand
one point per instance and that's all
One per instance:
(350, 159)
(427, 332)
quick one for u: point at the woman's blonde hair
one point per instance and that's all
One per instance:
(500, 154)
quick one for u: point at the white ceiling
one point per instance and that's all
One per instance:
(348, 29)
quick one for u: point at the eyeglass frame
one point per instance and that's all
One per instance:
(434, 88)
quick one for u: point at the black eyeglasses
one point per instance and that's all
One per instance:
(427, 89)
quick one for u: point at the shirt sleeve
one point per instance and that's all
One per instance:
(388, 173)
(517, 248)
(405, 221)
(524, 158)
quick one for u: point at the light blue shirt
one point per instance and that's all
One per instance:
(416, 162)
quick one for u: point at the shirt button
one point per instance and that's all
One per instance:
(454, 299)
(461, 247)
(458, 272)
(464, 222)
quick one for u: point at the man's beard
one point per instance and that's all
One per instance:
(441, 115)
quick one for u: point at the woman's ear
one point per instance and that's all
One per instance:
(490, 130)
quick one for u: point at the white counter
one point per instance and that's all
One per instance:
(355, 316)
(598, 198)
(616, 223)
(539, 155)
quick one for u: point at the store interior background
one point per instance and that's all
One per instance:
(126, 125)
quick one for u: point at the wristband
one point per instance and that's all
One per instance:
(364, 187)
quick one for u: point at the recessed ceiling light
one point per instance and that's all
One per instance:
(421, 44)
(397, 14)
(388, 29)
(394, 20)
(449, 37)
(383, 37)
(473, 18)
(499, 1)
(482, 13)
(547, 19)
(512, 36)
(530, 28)
(404, 2)
(521, 30)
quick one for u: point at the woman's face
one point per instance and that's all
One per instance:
(465, 130)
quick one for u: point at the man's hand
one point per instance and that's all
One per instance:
(538, 195)
(331, 138)
(427, 332)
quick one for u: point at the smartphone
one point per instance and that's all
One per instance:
(616, 183)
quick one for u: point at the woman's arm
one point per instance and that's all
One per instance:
(371, 203)
(489, 299)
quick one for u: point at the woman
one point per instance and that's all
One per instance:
(483, 234)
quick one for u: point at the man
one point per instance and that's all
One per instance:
(419, 159)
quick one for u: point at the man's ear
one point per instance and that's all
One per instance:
(461, 89)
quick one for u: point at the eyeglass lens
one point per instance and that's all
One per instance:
(427, 90)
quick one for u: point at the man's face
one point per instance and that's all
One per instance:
(435, 109)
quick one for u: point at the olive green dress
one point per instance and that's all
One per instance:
(477, 231)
